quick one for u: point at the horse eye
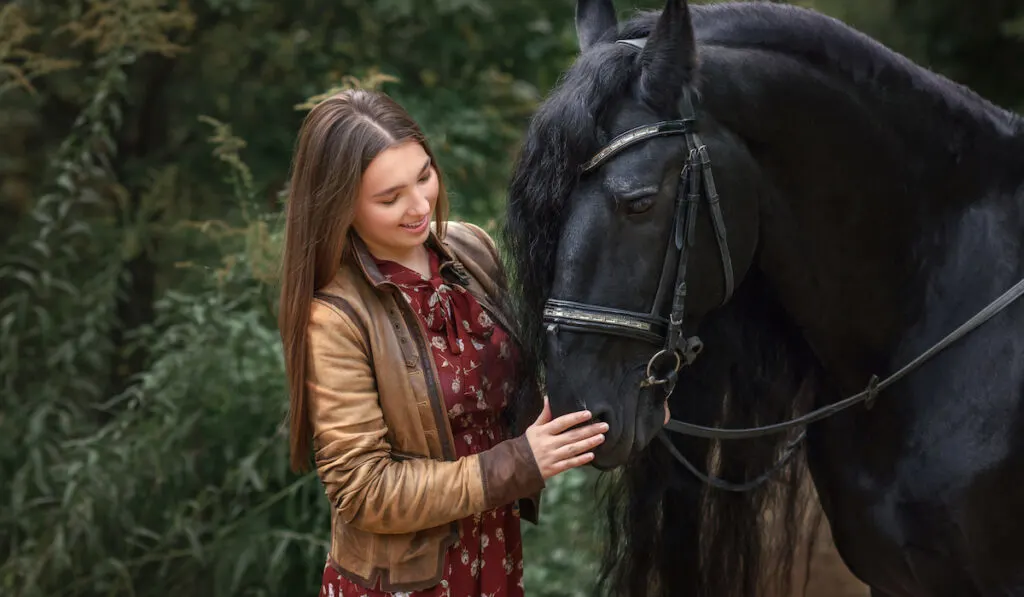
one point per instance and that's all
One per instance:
(639, 206)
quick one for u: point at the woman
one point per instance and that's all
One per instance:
(400, 367)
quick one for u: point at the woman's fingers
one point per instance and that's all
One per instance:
(545, 414)
(587, 443)
(575, 461)
(580, 433)
(565, 442)
(567, 421)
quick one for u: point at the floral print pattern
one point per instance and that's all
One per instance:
(473, 358)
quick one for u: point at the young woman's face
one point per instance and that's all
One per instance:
(396, 201)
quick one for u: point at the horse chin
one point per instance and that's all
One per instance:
(647, 422)
(607, 458)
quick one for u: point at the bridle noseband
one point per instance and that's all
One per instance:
(698, 184)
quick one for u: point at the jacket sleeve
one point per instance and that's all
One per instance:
(371, 489)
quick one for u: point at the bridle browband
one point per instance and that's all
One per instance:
(678, 350)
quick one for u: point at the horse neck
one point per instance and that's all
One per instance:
(867, 191)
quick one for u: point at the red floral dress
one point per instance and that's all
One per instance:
(473, 359)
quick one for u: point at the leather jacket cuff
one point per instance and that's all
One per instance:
(510, 472)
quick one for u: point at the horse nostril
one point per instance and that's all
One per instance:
(602, 415)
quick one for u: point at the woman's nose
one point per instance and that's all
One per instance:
(420, 203)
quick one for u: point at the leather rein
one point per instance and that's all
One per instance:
(678, 350)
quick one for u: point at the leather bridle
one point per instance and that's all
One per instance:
(678, 350)
(698, 184)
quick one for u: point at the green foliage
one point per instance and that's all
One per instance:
(562, 553)
(18, 66)
(179, 483)
(141, 430)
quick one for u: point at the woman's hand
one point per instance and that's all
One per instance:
(557, 447)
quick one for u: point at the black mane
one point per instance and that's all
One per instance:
(563, 134)
(828, 44)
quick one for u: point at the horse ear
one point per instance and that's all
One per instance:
(669, 59)
(593, 19)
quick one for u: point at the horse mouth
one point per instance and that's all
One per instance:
(634, 428)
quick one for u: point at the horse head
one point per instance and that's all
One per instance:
(621, 314)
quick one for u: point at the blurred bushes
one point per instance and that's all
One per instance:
(146, 144)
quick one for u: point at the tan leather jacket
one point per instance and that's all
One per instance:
(383, 444)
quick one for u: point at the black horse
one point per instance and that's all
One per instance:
(820, 211)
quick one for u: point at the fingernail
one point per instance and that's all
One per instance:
(604, 426)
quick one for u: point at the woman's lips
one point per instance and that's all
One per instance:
(417, 227)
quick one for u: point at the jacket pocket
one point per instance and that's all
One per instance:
(421, 550)
(356, 548)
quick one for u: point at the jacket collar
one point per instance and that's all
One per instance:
(450, 267)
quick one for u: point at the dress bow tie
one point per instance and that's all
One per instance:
(442, 301)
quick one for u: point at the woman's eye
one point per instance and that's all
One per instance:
(639, 206)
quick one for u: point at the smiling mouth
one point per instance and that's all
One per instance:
(415, 225)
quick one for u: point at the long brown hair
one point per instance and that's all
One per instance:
(337, 141)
